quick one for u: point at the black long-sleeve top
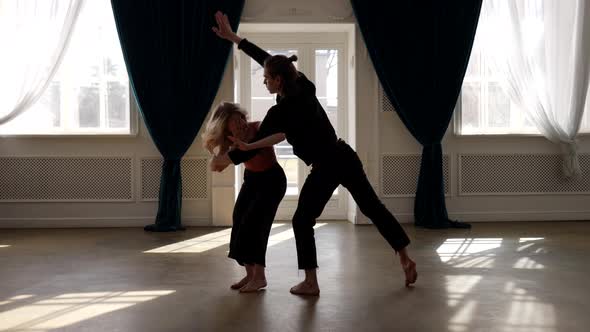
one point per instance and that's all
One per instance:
(299, 116)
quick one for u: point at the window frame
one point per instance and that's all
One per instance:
(133, 127)
(306, 38)
(485, 81)
(68, 116)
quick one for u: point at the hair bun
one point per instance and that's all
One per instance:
(292, 58)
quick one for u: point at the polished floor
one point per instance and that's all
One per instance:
(520, 277)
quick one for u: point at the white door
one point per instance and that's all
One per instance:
(320, 58)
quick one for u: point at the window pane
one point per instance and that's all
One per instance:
(88, 106)
(326, 81)
(498, 107)
(90, 92)
(41, 117)
(474, 66)
(258, 89)
(290, 164)
(118, 99)
(49, 104)
(470, 107)
(51, 100)
(260, 106)
(261, 101)
(96, 65)
(491, 110)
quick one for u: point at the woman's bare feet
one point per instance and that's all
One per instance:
(249, 276)
(306, 288)
(241, 283)
(256, 279)
(309, 286)
(253, 285)
(409, 267)
(410, 272)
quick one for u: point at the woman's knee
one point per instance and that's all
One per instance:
(302, 222)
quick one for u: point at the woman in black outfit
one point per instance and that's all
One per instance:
(263, 189)
(299, 115)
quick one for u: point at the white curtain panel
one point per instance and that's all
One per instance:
(34, 35)
(542, 48)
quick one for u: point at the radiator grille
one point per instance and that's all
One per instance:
(194, 178)
(520, 174)
(399, 174)
(66, 179)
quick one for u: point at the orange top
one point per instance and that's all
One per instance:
(265, 158)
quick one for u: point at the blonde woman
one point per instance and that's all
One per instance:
(262, 190)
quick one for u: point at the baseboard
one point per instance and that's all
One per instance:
(405, 218)
(507, 216)
(92, 222)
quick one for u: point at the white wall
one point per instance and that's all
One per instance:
(136, 212)
(379, 133)
(393, 138)
(376, 133)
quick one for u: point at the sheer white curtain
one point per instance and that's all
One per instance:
(33, 38)
(542, 47)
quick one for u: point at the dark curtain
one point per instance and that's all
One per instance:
(175, 65)
(420, 51)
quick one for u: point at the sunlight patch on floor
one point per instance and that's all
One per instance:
(286, 235)
(67, 309)
(199, 244)
(469, 252)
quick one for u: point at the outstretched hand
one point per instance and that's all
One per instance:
(239, 144)
(223, 28)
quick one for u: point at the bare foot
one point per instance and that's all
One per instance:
(240, 283)
(306, 288)
(253, 285)
(411, 273)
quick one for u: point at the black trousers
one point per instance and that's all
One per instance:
(339, 165)
(254, 213)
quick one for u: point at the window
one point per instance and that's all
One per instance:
(326, 81)
(261, 101)
(90, 92)
(323, 52)
(323, 67)
(483, 107)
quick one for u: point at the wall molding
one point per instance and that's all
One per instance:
(506, 216)
(108, 222)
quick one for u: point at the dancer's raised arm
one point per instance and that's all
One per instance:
(224, 31)
(223, 28)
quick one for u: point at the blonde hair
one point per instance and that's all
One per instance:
(216, 131)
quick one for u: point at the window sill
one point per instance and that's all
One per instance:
(131, 135)
(508, 135)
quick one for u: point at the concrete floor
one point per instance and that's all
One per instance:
(519, 277)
